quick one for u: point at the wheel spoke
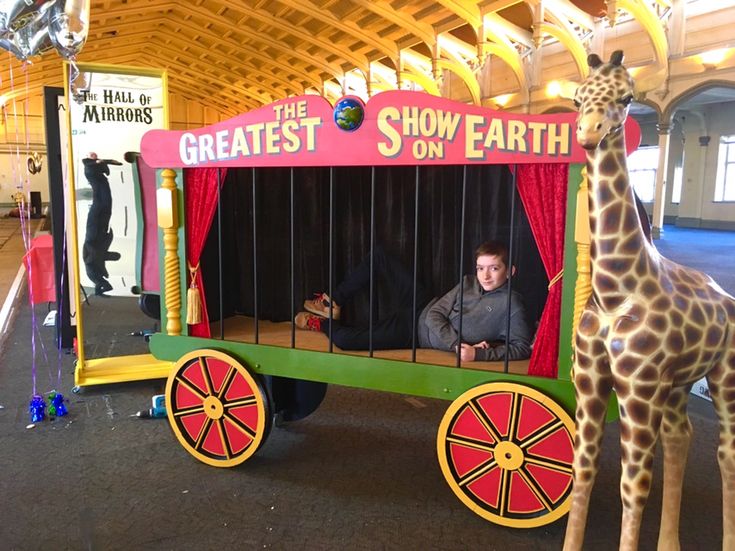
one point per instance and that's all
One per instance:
(474, 444)
(206, 375)
(551, 465)
(239, 425)
(504, 492)
(225, 442)
(203, 433)
(484, 420)
(227, 382)
(536, 489)
(188, 411)
(515, 413)
(182, 381)
(541, 433)
(481, 470)
(249, 401)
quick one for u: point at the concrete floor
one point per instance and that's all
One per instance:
(359, 473)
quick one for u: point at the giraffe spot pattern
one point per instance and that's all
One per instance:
(661, 304)
(645, 342)
(596, 408)
(626, 365)
(584, 384)
(646, 391)
(643, 439)
(638, 411)
(657, 322)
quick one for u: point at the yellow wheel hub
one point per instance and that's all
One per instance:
(213, 407)
(509, 456)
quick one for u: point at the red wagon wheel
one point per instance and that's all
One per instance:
(506, 451)
(217, 409)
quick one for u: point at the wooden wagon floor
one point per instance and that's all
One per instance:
(242, 329)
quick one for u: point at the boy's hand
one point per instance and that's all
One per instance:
(482, 344)
(467, 352)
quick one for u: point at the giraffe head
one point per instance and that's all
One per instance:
(603, 99)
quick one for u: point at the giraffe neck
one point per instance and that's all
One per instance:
(620, 251)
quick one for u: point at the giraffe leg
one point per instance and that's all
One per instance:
(676, 434)
(721, 382)
(640, 423)
(593, 384)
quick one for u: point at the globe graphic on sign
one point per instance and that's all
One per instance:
(349, 114)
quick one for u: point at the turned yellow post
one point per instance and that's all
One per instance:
(583, 287)
(167, 201)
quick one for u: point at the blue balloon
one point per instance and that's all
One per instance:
(37, 408)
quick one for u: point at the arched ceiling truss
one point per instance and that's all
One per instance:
(235, 55)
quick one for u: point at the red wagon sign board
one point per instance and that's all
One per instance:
(393, 128)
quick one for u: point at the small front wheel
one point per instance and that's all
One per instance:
(506, 450)
(217, 408)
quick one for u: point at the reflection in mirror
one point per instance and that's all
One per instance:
(114, 197)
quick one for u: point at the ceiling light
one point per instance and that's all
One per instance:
(553, 89)
(502, 100)
(712, 58)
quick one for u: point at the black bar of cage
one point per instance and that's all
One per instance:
(372, 261)
(461, 263)
(331, 252)
(255, 262)
(292, 265)
(219, 258)
(511, 244)
(415, 263)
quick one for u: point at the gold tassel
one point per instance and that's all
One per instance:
(193, 299)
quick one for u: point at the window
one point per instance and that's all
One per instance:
(642, 165)
(676, 184)
(725, 182)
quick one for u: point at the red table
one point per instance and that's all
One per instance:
(39, 263)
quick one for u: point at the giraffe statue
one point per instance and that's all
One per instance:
(650, 329)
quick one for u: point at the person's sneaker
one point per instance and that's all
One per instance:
(319, 305)
(308, 321)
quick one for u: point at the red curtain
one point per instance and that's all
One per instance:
(543, 190)
(200, 204)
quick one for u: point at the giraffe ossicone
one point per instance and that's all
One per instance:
(650, 329)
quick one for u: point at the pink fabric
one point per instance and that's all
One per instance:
(200, 203)
(39, 263)
(150, 281)
(543, 190)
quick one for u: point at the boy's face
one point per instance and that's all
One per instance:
(491, 272)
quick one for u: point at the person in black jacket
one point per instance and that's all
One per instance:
(98, 236)
(485, 306)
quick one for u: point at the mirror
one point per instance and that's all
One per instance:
(113, 193)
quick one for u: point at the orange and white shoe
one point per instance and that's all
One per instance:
(319, 305)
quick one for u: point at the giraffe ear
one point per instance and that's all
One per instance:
(594, 61)
(616, 58)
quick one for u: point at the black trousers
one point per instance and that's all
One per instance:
(392, 331)
(98, 237)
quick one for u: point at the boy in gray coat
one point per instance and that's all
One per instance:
(484, 311)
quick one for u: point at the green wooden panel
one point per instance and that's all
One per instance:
(431, 381)
(569, 280)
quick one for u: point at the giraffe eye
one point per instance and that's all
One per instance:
(625, 100)
(577, 103)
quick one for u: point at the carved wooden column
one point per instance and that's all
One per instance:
(167, 203)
